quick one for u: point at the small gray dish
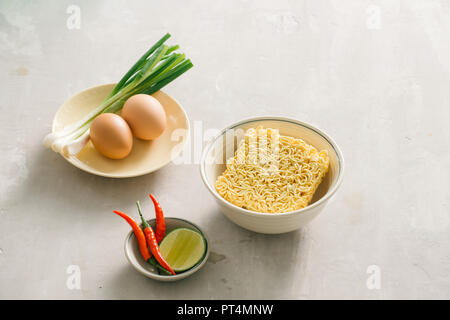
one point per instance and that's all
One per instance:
(135, 258)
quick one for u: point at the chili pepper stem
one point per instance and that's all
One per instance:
(155, 263)
(144, 222)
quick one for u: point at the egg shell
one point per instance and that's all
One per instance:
(111, 136)
(145, 115)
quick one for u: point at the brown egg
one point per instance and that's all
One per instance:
(145, 116)
(111, 136)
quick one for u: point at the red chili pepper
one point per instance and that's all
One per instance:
(160, 223)
(138, 233)
(152, 243)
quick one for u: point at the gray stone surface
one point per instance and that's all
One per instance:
(373, 74)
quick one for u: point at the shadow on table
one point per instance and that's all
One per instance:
(53, 180)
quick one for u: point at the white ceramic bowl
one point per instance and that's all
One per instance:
(134, 256)
(223, 146)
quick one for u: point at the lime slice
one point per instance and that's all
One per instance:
(183, 248)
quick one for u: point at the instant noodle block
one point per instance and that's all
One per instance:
(272, 173)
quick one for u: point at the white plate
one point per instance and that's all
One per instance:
(145, 157)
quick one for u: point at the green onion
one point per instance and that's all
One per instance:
(160, 65)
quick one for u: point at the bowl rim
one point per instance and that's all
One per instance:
(320, 132)
(177, 276)
(75, 162)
